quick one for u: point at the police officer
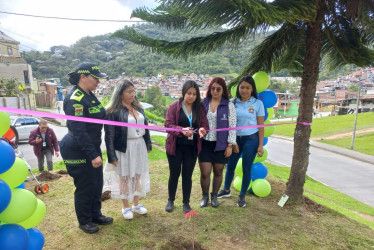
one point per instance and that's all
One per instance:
(80, 147)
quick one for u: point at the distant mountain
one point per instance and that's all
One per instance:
(116, 56)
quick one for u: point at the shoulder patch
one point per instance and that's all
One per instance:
(77, 95)
(78, 109)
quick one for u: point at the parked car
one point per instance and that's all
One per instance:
(24, 125)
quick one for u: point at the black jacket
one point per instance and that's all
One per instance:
(116, 136)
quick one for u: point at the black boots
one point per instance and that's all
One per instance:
(214, 200)
(169, 206)
(204, 200)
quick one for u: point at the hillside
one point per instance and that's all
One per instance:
(116, 56)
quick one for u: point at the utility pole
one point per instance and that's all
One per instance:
(355, 123)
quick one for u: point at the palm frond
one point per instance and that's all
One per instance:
(346, 44)
(196, 14)
(189, 47)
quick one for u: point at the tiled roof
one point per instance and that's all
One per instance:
(6, 38)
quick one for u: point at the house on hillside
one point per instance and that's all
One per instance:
(12, 65)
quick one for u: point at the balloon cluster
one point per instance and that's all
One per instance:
(20, 210)
(259, 186)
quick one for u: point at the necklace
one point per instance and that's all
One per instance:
(136, 120)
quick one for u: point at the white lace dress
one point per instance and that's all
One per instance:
(131, 176)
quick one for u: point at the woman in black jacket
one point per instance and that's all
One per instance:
(127, 174)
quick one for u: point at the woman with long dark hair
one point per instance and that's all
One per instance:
(127, 174)
(216, 146)
(249, 111)
(182, 148)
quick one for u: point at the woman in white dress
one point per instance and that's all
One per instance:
(127, 172)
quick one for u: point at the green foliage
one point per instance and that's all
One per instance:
(153, 96)
(153, 117)
(11, 87)
(353, 88)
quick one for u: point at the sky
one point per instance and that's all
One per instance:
(41, 34)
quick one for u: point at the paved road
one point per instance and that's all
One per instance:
(345, 174)
(28, 152)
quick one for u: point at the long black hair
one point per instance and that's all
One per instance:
(249, 80)
(196, 105)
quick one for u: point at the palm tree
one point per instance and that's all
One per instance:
(342, 31)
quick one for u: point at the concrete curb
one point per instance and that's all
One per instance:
(338, 150)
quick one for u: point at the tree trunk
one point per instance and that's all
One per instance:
(300, 159)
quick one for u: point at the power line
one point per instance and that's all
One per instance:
(20, 35)
(72, 19)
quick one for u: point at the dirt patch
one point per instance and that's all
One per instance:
(47, 176)
(312, 206)
(365, 216)
(62, 171)
(105, 196)
(343, 135)
(181, 244)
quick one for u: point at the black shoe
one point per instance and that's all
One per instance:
(186, 208)
(223, 194)
(214, 200)
(103, 220)
(241, 201)
(89, 228)
(204, 200)
(169, 206)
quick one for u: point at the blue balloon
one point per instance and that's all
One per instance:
(266, 114)
(259, 171)
(36, 239)
(7, 156)
(13, 237)
(22, 185)
(5, 195)
(266, 139)
(268, 98)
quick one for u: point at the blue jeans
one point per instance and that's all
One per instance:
(248, 147)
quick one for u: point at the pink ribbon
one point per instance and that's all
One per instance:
(125, 124)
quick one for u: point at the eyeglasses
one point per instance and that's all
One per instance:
(131, 92)
(43, 127)
(218, 89)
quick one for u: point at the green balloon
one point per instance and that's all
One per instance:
(233, 91)
(270, 112)
(262, 81)
(36, 217)
(21, 206)
(239, 168)
(5, 122)
(238, 183)
(261, 187)
(269, 130)
(17, 174)
(262, 158)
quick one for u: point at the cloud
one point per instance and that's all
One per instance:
(41, 34)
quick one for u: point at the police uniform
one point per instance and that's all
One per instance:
(78, 148)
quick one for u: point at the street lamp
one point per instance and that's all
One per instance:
(355, 123)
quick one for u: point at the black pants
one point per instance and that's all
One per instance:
(88, 180)
(184, 161)
(88, 183)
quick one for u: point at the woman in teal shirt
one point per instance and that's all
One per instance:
(249, 111)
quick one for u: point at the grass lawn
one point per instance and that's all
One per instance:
(335, 222)
(331, 125)
(363, 143)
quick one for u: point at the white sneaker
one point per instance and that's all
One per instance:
(140, 209)
(127, 213)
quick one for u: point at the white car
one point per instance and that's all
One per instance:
(24, 125)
